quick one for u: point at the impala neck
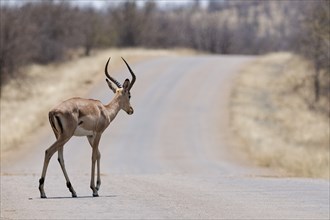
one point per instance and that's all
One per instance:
(113, 108)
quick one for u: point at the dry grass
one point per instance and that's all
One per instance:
(25, 103)
(273, 120)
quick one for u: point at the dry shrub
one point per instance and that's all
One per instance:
(275, 119)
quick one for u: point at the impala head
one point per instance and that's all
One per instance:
(122, 91)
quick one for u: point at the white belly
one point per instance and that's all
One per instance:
(82, 132)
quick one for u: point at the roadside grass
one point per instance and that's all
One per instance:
(273, 120)
(25, 102)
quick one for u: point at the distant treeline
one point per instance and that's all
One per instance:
(44, 32)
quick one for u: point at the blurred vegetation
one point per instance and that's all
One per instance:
(271, 117)
(46, 31)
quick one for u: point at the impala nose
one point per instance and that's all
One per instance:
(130, 111)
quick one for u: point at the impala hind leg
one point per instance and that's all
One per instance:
(48, 155)
(61, 161)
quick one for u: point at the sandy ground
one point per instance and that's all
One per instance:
(170, 159)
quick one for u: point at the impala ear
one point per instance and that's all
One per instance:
(111, 86)
(126, 84)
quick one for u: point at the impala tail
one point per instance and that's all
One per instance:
(55, 123)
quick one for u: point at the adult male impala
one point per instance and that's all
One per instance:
(86, 117)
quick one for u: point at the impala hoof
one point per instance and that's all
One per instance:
(43, 196)
(95, 195)
(74, 195)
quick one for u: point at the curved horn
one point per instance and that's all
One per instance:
(109, 77)
(133, 75)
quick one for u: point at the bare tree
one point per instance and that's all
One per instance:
(315, 42)
(16, 41)
(127, 21)
(90, 22)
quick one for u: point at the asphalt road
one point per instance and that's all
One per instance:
(170, 159)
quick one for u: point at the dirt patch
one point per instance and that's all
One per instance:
(273, 120)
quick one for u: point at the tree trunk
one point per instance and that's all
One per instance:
(317, 83)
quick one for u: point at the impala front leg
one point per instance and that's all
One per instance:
(98, 181)
(94, 142)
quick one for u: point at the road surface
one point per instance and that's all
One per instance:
(171, 159)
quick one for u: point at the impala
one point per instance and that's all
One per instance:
(86, 117)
